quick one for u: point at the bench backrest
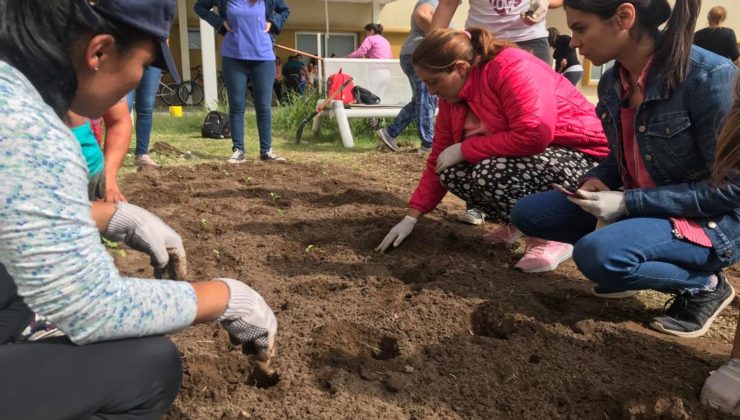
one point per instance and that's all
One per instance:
(381, 77)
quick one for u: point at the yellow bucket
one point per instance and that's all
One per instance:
(176, 111)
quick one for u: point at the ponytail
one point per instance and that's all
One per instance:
(673, 51)
(442, 48)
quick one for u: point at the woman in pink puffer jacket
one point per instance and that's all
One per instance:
(508, 126)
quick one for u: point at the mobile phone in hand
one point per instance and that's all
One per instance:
(569, 191)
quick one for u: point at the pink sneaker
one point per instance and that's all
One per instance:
(544, 255)
(507, 234)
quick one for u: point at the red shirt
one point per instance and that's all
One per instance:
(636, 174)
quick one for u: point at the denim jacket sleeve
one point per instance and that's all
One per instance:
(203, 8)
(710, 100)
(278, 15)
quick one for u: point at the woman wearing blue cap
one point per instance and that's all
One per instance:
(248, 27)
(80, 56)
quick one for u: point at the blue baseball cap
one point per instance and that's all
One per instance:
(152, 17)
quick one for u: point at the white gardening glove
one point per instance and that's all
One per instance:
(536, 12)
(145, 232)
(397, 234)
(249, 321)
(606, 205)
(722, 388)
(449, 157)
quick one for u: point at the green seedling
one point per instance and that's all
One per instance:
(116, 246)
(309, 248)
(203, 222)
(282, 212)
(217, 254)
(274, 197)
(248, 180)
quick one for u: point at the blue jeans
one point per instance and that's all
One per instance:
(144, 96)
(630, 254)
(236, 75)
(421, 108)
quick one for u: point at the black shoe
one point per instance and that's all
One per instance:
(271, 157)
(692, 315)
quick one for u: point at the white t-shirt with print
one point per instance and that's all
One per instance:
(503, 19)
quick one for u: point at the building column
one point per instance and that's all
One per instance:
(376, 11)
(182, 23)
(208, 52)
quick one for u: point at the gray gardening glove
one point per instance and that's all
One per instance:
(249, 321)
(722, 388)
(145, 232)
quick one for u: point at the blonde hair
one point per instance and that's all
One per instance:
(727, 161)
(717, 14)
(442, 48)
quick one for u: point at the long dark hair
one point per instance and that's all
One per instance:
(36, 37)
(673, 46)
(727, 163)
(441, 48)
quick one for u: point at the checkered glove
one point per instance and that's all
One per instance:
(722, 388)
(248, 320)
(145, 232)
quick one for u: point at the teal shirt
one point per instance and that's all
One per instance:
(90, 149)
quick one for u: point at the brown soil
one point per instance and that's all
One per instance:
(440, 328)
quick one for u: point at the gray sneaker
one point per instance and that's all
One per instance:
(236, 157)
(691, 315)
(390, 142)
(271, 157)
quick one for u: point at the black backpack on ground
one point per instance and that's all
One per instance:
(364, 96)
(216, 126)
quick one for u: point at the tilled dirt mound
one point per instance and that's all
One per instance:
(440, 328)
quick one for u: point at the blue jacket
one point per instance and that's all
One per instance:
(276, 12)
(676, 133)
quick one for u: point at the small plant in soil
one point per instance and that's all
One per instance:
(309, 248)
(248, 180)
(217, 254)
(274, 197)
(116, 246)
(203, 222)
(282, 212)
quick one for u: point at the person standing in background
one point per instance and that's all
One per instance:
(715, 38)
(565, 57)
(518, 21)
(247, 54)
(142, 99)
(423, 104)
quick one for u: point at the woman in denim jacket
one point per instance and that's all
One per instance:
(247, 54)
(667, 227)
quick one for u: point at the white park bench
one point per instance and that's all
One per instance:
(381, 77)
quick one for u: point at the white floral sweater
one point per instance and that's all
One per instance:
(48, 241)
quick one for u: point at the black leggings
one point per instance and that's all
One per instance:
(495, 185)
(14, 314)
(132, 379)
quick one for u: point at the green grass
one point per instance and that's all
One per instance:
(184, 134)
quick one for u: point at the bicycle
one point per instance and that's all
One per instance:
(193, 89)
(169, 93)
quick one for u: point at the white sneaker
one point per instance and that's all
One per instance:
(236, 157)
(472, 216)
(145, 161)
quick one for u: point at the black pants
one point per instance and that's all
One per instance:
(132, 379)
(495, 185)
(14, 314)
